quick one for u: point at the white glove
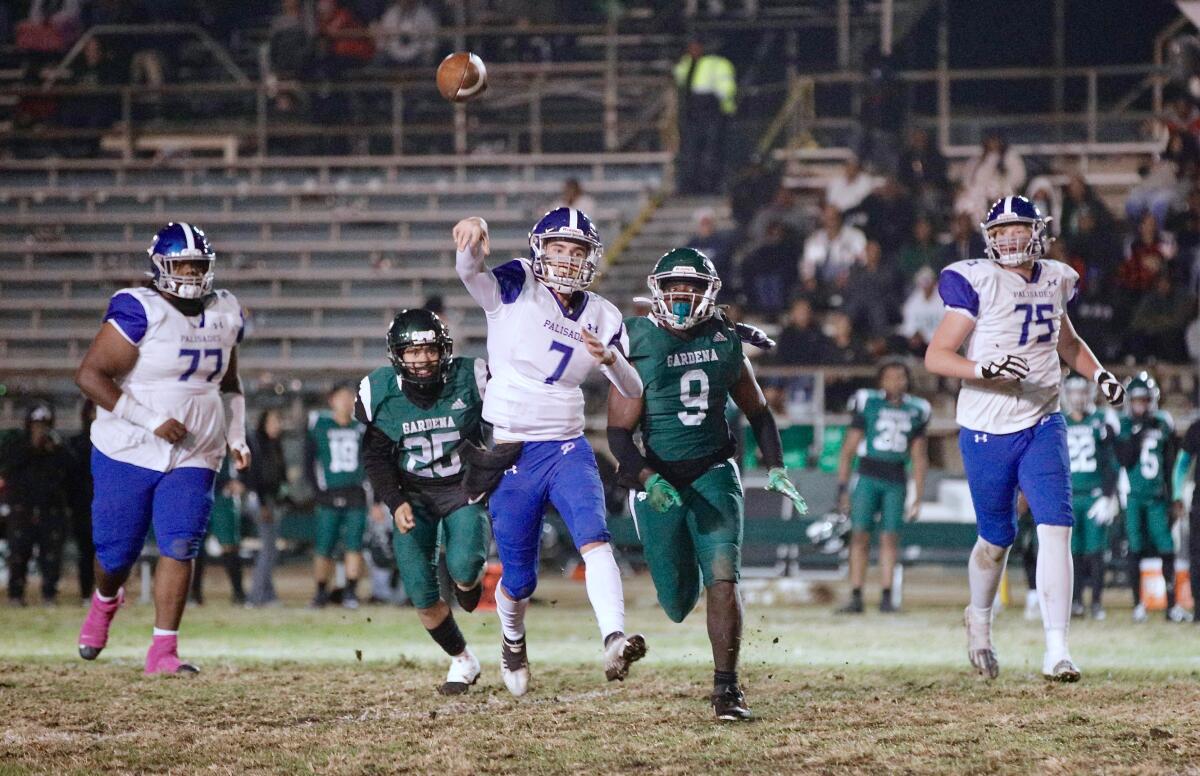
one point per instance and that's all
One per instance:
(1006, 367)
(1104, 509)
(1110, 386)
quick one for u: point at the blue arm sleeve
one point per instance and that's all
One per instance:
(1183, 462)
(128, 315)
(956, 292)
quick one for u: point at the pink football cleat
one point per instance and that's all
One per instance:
(163, 657)
(94, 633)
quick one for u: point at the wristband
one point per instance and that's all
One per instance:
(131, 410)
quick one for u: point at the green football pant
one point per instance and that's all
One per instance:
(699, 539)
(1148, 517)
(347, 524)
(464, 534)
(875, 496)
(225, 522)
(1089, 536)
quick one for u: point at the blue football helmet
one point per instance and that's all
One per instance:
(564, 274)
(1015, 210)
(174, 244)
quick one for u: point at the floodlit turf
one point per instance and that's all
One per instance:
(289, 690)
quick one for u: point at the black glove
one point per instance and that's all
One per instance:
(1007, 367)
(1110, 386)
(753, 335)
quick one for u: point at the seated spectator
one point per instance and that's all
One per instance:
(1181, 114)
(289, 40)
(51, 27)
(343, 40)
(717, 246)
(1078, 194)
(848, 348)
(923, 171)
(996, 172)
(966, 241)
(830, 251)
(872, 293)
(1185, 226)
(574, 196)
(922, 312)
(1042, 192)
(1098, 321)
(1158, 323)
(1159, 190)
(407, 34)
(1094, 253)
(784, 207)
(889, 216)
(801, 342)
(848, 188)
(1146, 257)
(920, 251)
(769, 273)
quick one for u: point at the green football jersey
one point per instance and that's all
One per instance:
(428, 439)
(1090, 447)
(888, 428)
(1148, 476)
(337, 461)
(686, 384)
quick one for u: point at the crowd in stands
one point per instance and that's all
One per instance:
(850, 275)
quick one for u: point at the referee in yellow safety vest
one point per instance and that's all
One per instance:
(707, 91)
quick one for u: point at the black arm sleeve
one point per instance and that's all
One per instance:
(1170, 453)
(629, 459)
(766, 433)
(1191, 440)
(1107, 457)
(380, 463)
(1129, 449)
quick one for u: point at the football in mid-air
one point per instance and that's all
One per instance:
(462, 77)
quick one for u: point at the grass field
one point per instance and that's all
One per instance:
(290, 690)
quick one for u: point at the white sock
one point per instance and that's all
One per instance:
(512, 615)
(1055, 580)
(161, 632)
(108, 599)
(984, 570)
(603, 580)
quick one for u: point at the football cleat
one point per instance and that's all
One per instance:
(1098, 613)
(887, 607)
(1139, 613)
(1060, 670)
(464, 672)
(319, 600)
(621, 653)
(979, 644)
(163, 658)
(1178, 614)
(349, 600)
(1077, 609)
(514, 666)
(729, 703)
(93, 636)
(852, 607)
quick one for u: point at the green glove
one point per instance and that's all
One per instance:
(661, 494)
(778, 482)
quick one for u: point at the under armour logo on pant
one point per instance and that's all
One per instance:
(980, 438)
(511, 470)
(568, 447)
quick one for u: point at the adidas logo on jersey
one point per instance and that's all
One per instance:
(719, 337)
(458, 404)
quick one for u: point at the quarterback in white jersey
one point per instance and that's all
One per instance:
(163, 374)
(546, 332)
(1010, 310)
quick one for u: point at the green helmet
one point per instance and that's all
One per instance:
(1078, 395)
(1142, 386)
(685, 309)
(419, 327)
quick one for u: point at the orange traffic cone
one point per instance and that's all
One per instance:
(1154, 587)
(491, 578)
